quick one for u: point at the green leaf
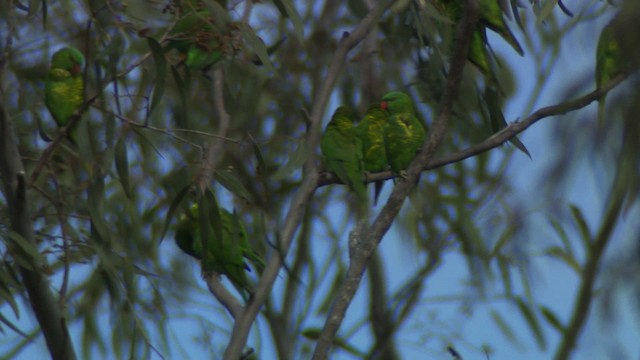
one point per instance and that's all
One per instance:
(551, 317)
(563, 235)
(122, 166)
(567, 258)
(506, 330)
(9, 324)
(546, 10)
(232, 183)
(289, 11)
(531, 319)
(295, 162)
(160, 63)
(583, 227)
(257, 45)
(505, 274)
(5, 291)
(182, 85)
(172, 209)
(29, 249)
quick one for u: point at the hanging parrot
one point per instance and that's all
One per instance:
(64, 88)
(490, 17)
(195, 37)
(608, 63)
(342, 150)
(225, 256)
(370, 131)
(404, 134)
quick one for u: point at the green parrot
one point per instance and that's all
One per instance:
(404, 134)
(195, 37)
(608, 63)
(490, 17)
(370, 131)
(225, 256)
(342, 150)
(64, 88)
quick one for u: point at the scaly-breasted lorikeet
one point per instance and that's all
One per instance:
(370, 131)
(225, 256)
(64, 88)
(342, 150)
(404, 134)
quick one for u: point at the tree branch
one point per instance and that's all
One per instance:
(372, 237)
(42, 301)
(595, 252)
(307, 188)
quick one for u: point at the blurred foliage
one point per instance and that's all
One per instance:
(99, 209)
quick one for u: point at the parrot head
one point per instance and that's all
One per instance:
(396, 102)
(69, 59)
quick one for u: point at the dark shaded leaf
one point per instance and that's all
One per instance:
(532, 321)
(232, 183)
(172, 210)
(160, 65)
(122, 166)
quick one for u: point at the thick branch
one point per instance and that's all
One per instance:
(382, 223)
(306, 190)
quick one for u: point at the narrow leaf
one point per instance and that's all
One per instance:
(160, 63)
(172, 209)
(551, 317)
(530, 318)
(295, 162)
(257, 45)
(122, 166)
(582, 225)
(232, 183)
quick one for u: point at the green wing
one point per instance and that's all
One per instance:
(404, 134)
(342, 150)
(64, 88)
(370, 131)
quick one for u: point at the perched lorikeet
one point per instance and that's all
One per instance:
(196, 39)
(342, 150)
(608, 63)
(404, 134)
(370, 131)
(64, 89)
(225, 256)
